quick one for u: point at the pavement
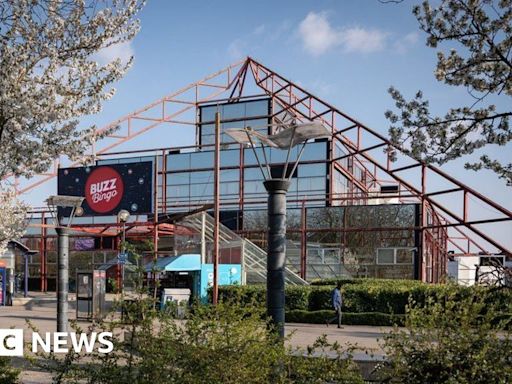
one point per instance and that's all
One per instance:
(40, 309)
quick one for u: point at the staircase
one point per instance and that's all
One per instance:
(293, 255)
(254, 259)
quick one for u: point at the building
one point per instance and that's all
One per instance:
(352, 212)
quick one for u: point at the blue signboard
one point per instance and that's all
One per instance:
(122, 258)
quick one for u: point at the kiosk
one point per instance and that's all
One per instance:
(186, 275)
(90, 294)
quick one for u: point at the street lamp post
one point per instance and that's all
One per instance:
(63, 230)
(277, 188)
(122, 216)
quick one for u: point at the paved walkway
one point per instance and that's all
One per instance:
(41, 311)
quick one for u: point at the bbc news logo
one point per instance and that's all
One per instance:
(12, 342)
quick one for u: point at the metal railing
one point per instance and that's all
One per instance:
(254, 259)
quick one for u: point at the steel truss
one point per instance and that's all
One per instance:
(358, 152)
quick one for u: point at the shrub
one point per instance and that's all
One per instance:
(8, 374)
(222, 344)
(242, 294)
(297, 298)
(319, 298)
(460, 337)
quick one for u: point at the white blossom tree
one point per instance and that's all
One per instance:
(49, 79)
(12, 217)
(479, 35)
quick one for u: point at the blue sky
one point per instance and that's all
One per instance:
(346, 52)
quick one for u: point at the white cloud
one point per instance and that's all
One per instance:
(362, 40)
(403, 44)
(319, 36)
(123, 51)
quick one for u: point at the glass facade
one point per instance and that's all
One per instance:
(254, 114)
(189, 175)
(351, 241)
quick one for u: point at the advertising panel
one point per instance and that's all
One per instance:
(109, 188)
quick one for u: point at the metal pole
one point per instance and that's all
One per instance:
(122, 251)
(203, 237)
(216, 210)
(62, 278)
(276, 254)
(25, 290)
(155, 231)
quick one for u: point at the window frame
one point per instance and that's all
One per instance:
(395, 249)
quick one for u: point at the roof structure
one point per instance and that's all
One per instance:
(187, 262)
(450, 209)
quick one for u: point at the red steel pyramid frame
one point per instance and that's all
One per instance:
(452, 213)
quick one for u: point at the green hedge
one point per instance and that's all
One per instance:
(348, 318)
(365, 295)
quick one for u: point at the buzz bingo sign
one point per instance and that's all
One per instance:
(104, 189)
(109, 188)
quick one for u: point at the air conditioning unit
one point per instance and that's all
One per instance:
(389, 194)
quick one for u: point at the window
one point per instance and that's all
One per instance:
(491, 261)
(404, 256)
(178, 161)
(385, 256)
(247, 113)
(395, 256)
(277, 171)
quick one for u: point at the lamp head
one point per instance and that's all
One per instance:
(248, 136)
(64, 201)
(123, 215)
(300, 133)
(288, 137)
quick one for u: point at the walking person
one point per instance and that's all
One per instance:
(337, 302)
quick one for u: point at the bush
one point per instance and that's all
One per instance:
(297, 298)
(222, 344)
(366, 281)
(461, 337)
(319, 298)
(8, 374)
(242, 294)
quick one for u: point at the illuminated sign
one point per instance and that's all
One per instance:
(109, 188)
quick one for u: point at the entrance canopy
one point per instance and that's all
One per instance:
(187, 262)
